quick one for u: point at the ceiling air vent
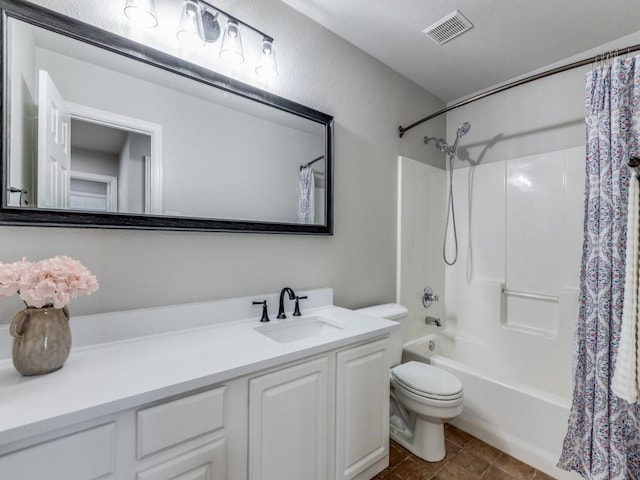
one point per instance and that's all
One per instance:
(447, 28)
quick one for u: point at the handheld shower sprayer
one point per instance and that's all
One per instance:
(463, 129)
(443, 146)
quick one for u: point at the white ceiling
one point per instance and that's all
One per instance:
(509, 37)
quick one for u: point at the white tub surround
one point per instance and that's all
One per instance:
(172, 400)
(509, 304)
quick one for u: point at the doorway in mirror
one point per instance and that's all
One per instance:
(90, 159)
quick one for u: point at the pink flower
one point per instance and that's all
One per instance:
(10, 274)
(50, 282)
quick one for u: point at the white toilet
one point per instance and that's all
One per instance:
(423, 397)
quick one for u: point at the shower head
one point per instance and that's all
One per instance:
(463, 129)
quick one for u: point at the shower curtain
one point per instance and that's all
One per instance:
(306, 203)
(603, 437)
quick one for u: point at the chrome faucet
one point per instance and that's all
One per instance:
(292, 296)
(433, 321)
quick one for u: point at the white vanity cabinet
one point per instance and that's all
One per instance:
(195, 436)
(323, 416)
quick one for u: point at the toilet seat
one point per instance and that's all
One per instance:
(427, 381)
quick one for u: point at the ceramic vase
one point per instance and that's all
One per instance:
(42, 340)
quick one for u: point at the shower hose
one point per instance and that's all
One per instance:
(451, 215)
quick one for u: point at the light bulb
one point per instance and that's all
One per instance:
(190, 30)
(231, 50)
(267, 67)
(141, 12)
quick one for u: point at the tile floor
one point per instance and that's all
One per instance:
(467, 459)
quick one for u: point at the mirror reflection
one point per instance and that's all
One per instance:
(92, 130)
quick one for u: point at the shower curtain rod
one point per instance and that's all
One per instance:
(311, 162)
(517, 83)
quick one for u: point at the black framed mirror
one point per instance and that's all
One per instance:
(100, 131)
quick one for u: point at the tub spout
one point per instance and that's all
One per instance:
(433, 321)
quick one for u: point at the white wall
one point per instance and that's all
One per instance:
(316, 68)
(546, 115)
(543, 116)
(92, 161)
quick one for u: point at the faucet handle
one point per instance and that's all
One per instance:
(296, 308)
(428, 297)
(265, 315)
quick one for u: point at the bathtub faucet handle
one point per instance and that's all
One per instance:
(433, 321)
(428, 297)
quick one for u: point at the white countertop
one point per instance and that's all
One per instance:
(109, 377)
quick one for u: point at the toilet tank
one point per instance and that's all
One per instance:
(394, 312)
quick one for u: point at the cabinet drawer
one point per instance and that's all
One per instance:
(85, 455)
(174, 422)
(205, 463)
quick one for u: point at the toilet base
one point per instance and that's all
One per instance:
(425, 441)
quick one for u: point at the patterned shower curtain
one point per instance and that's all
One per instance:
(603, 436)
(306, 203)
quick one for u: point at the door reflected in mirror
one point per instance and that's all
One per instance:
(95, 131)
(110, 169)
(94, 160)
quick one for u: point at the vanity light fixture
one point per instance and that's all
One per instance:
(141, 12)
(199, 24)
(190, 30)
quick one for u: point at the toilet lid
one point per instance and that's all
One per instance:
(427, 380)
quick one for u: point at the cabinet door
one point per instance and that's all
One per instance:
(362, 408)
(288, 416)
(204, 463)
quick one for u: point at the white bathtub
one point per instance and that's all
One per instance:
(524, 422)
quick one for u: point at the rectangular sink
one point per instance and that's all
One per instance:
(294, 329)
